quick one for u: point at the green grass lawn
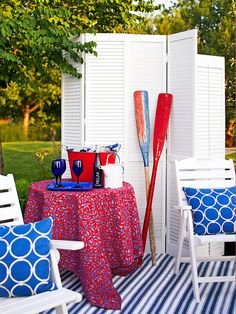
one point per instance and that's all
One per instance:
(20, 159)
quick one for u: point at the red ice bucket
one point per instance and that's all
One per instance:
(88, 161)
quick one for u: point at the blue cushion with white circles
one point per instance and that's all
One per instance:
(24, 259)
(213, 210)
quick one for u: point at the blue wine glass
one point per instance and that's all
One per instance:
(78, 169)
(58, 168)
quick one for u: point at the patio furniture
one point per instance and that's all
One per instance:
(206, 196)
(106, 220)
(10, 215)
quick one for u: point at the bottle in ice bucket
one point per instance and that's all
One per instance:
(97, 171)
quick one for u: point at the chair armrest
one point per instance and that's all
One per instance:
(183, 207)
(67, 245)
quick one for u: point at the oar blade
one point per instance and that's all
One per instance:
(161, 122)
(141, 105)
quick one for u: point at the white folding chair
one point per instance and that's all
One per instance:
(200, 173)
(10, 214)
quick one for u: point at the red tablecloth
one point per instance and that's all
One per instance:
(108, 223)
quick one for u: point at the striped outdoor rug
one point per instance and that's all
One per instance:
(157, 290)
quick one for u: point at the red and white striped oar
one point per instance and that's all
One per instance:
(160, 129)
(143, 129)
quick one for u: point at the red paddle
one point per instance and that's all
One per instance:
(160, 129)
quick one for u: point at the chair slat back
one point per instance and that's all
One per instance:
(203, 173)
(10, 211)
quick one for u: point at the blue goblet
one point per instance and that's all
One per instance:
(77, 168)
(58, 168)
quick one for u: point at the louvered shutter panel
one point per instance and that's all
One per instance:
(210, 115)
(72, 113)
(210, 108)
(145, 70)
(197, 118)
(104, 94)
(182, 50)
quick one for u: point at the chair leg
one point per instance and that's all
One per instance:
(182, 231)
(61, 309)
(193, 262)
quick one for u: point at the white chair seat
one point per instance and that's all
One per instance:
(39, 302)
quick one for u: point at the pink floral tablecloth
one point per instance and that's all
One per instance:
(108, 223)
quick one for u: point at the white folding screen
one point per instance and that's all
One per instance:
(99, 109)
(197, 118)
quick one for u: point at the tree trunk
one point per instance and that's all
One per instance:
(26, 115)
(27, 109)
(230, 134)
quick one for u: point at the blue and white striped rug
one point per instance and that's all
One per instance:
(157, 290)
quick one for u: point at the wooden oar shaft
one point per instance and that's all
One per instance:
(149, 203)
(151, 221)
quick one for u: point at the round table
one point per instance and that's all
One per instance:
(108, 223)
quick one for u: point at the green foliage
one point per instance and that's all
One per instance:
(37, 132)
(34, 33)
(215, 21)
(231, 156)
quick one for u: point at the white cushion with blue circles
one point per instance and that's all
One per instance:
(213, 210)
(24, 259)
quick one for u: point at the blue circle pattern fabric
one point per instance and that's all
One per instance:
(25, 259)
(213, 210)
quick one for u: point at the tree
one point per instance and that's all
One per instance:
(27, 98)
(215, 20)
(34, 34)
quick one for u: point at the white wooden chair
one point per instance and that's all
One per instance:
(200, 173)
(10, 214)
